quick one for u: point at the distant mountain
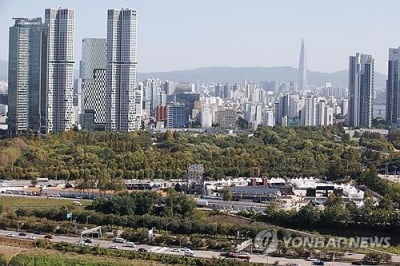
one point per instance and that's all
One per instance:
(3, 70)
(256, 74)
(240, 74)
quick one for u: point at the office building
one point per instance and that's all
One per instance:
(226, 118)
(393, 89)
(93, 75)
(361, 87)
(60, 45)
(26, 75)
(95, 100)
(123, 107)
(177, 116)
(93, 56)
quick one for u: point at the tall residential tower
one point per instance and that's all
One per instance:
(124, 100)
(393, 89)
(361, 89)
(60, 46)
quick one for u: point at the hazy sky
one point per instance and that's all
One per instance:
(183, 34)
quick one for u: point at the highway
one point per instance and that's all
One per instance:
(167, 250)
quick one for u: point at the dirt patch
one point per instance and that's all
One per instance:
(9, 251)
(236, 220)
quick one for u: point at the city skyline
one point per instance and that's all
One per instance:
(266, 37)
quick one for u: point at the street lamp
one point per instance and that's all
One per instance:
(166, 228)
(87, 219)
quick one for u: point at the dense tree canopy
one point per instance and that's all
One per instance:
(141, 203)
(104, 159)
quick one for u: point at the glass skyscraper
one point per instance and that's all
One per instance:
(27, 75)
(393, 89)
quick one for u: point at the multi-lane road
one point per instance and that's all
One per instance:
(167, 250)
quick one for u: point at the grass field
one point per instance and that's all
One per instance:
(391, 249)
(69, 258)
(15, 202)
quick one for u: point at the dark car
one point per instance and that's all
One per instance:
(224, 254)
(318, 263)
(88, 240)
(48, 236)
(22, 234)
(142, 250)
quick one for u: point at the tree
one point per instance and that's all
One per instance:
(309, 216)
(334, 200)
(226, 194)
(179, 205)
(377, 258)
(386, 203)
(168, 135)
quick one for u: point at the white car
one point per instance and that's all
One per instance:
(130, 244)
(113, 247)
(10, 234)
(188, 253)
(119, 240)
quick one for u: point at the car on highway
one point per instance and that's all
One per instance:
(224, 254)
(22, 234)
(10, 235)
(119, 240)
(243, 255)
(88, 240)
(318, 263)
(130, 244)
(188, 253)
(113, 247)
(31, 237)
(48, 236)
(142, 250)
(175, 250)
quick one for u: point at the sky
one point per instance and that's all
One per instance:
(186, 34)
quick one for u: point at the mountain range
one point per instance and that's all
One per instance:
(256, 74)
(240, 74)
